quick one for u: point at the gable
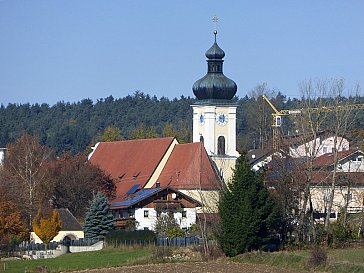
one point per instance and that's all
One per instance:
(343, 157)
(154, 197)
(69, 222)
(189, 167)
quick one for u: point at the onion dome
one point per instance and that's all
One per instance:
(214, 85)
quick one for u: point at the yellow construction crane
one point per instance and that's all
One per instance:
(277, 116)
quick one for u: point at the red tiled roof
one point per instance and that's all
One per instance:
(328, 159)
(342, 178)
(130, 162)
(189, 167)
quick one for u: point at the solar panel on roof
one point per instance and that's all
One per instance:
(141, 195)
(133, 189)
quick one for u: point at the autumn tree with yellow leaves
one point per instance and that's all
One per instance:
(47, 227)
(12, 227)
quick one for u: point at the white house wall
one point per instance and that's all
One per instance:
(324, 147)
(208, 198)
(2, 155)
(150, 221)
(320, 196)
(75, 235)
(352, 165)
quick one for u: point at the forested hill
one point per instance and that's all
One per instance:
(74, 126)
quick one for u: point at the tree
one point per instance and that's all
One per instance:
(168, 130)
(111, 134)
(317, 95)
(99, 221)
(142, 132)
(25, 174)
(12, 227)
(47, 227)
(75, 180)
(166, 225)
(247, 212)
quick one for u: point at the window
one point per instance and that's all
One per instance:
(146, 213)
(146, 228)
(184, 214)
(201, 138)
(358, 159)
(221, 145)
(324, 150)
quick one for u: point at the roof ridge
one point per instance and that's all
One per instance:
(139, 140)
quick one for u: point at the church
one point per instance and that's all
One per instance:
(157, 175)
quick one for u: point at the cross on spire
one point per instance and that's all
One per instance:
(215, 20)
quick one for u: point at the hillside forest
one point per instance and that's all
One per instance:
(75, 127)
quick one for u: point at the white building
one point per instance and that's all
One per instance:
(142, 208)
(71, 228)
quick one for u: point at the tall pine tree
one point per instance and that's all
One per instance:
(248, 213)
(99, 221)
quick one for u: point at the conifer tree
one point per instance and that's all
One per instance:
(247, 212)
(99, 221)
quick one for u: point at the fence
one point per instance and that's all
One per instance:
(36, 247)
(179, 241)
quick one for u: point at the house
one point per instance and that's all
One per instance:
(349, 182)
(71, 228)
(308, 145)
(159, 162)
(259, 158)
(347, 161)
(140, 208)
(299, 146)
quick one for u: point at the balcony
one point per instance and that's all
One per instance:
(123, 223)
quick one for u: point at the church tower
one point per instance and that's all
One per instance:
(214, 113)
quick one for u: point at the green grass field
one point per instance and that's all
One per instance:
(78, 261)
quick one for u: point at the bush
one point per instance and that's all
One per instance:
(162, 252)
(341, 233)
(318, 257)
(212, 253)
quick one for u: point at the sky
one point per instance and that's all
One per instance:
(66, 50)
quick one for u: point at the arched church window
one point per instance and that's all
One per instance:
(201, 138)
(221, 145)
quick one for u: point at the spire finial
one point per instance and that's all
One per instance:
(215, 20)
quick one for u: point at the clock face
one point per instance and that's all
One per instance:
(221, 119)
(202, 119)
